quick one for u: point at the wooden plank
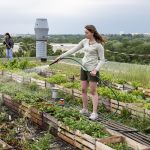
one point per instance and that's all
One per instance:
(81, 146)
(114, 106)
(120, 103)
(111, 140)
(128, 86)
(61, 125)
(5, 145)
(101, 146)
(35, 110)
(66, 133)
(39, 122)
(81, 138)
(72, 142)
(131, 143)
(85, 136)
(85, 143)
(50, 118)
(26, 109)
(65, 138)
(52, 124)
(26, 80)
(37, 116)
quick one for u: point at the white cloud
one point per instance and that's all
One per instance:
(68, 16)
(59, 7)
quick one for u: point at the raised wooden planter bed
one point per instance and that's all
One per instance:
(86, 142)
(134, 110)
(80, 140)
(24, 109)
(40, 83)
(76, 138)
(145, 91)
(111, 105)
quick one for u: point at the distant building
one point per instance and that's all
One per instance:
(147, 34)
(64, 47)
(121, 32)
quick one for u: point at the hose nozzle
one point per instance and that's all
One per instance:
(55, 61)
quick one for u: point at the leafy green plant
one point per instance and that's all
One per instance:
(147, 106)
(73, 119)
(136, 84)
(42, 143)
(57, 79)
(121, 96)
(75, 85)
(33, 86)
(17, 64)
(120, 146)
(125, 113)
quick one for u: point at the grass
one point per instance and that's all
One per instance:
(129, 72)
(133, 73)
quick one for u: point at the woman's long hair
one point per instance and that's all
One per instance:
(96, 35)
(8, 34)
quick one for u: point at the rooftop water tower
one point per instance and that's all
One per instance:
(41, 32)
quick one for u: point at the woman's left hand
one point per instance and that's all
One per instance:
(93, 73)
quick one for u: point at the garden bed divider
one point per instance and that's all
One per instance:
(110, 104)
(76, 138)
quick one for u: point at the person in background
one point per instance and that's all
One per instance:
(93, 60)
(8, 42)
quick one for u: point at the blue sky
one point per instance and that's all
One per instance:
(70, 16)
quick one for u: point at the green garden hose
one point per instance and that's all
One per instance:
(100, 80)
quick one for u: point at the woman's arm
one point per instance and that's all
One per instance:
(101, 57)
(73, 50)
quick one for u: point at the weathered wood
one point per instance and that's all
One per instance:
(85, 143)
(112, 140)
(65, 138)
(50, 118)
(75, 140)
(131, 143)
(40, 83)
(80, 146)
(101, 146)
(85, 136)
(65, 132)
(5, 145)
